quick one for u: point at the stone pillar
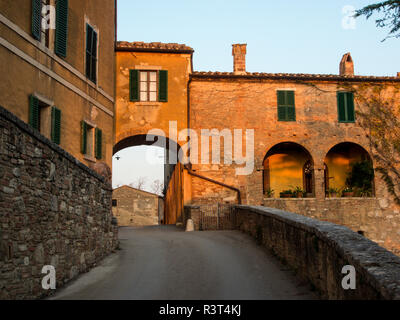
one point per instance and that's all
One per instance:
(239, 58)
(319, 175)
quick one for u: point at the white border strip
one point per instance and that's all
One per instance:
(53, 75)
(42, 48)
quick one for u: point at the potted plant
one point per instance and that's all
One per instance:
(348, 192)
(269, 193)
(333, 192)
(298, 192)
(286, 194)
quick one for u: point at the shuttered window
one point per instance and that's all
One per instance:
(37, 19)
(148, 86)
(98, 143)
(55, 125)
(91, 53)
(34, 112)
(61, 28)
(286, 106)
(346, 107)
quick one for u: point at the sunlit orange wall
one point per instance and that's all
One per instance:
(286, 171)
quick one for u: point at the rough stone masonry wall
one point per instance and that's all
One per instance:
(318, 250)
(365, 215)
(53, 211)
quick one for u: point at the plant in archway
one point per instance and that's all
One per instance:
(361, 177)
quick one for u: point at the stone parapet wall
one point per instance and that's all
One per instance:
(318, 250)
(54, 211)
(369, 216)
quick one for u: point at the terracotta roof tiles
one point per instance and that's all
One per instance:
(153, 46)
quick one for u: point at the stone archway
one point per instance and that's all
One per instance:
(338, 165)
(288, 165)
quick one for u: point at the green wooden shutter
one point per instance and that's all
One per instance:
(281, 106)
(286, 106)
(350, 106)
(37, 19)
(163, 86)
(134, 85)
(341, 97)
(55, 125)
(83, 137)
(91, 53)
(98, 143)
(34, 112)
(61, 28)
(291, 110)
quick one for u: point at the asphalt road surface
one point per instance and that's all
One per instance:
(165, 263)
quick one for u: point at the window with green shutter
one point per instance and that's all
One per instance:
(55, 125)
(37, 19)
(61, 28)
(148, 86)
(34, 112)
(286, 106)
(346, 107)
(91, 53)
(98, 143)
(83, 137)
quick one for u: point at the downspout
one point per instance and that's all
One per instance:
(215, 182)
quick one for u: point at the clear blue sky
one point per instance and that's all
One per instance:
(282, 36)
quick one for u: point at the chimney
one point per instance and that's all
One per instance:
(239, 58)
(398, 74)
(346, 65)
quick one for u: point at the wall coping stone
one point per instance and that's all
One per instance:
(4, 113)
(382, 267)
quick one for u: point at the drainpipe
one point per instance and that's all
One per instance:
(215, 182)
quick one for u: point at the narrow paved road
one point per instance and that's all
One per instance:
(165, 263)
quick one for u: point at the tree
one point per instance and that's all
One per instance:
(379, 115)
(390, 18)
(139, 183)
(157, 187)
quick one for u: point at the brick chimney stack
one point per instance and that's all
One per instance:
(239, 58)
(346, 65)
(398, 74)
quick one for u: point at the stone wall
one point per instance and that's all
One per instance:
(136, 207)
(318, 251)
(365, 215)
(54, 211)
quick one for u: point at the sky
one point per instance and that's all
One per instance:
(285, 36)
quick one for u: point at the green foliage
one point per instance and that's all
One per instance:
(269, 193)
(361, 176)
(390, 19)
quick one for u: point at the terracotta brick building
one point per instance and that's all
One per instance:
(306, 136)
(134, 207)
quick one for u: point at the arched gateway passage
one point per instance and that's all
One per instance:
(289, 166)
(173, 186)
(349, 167)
